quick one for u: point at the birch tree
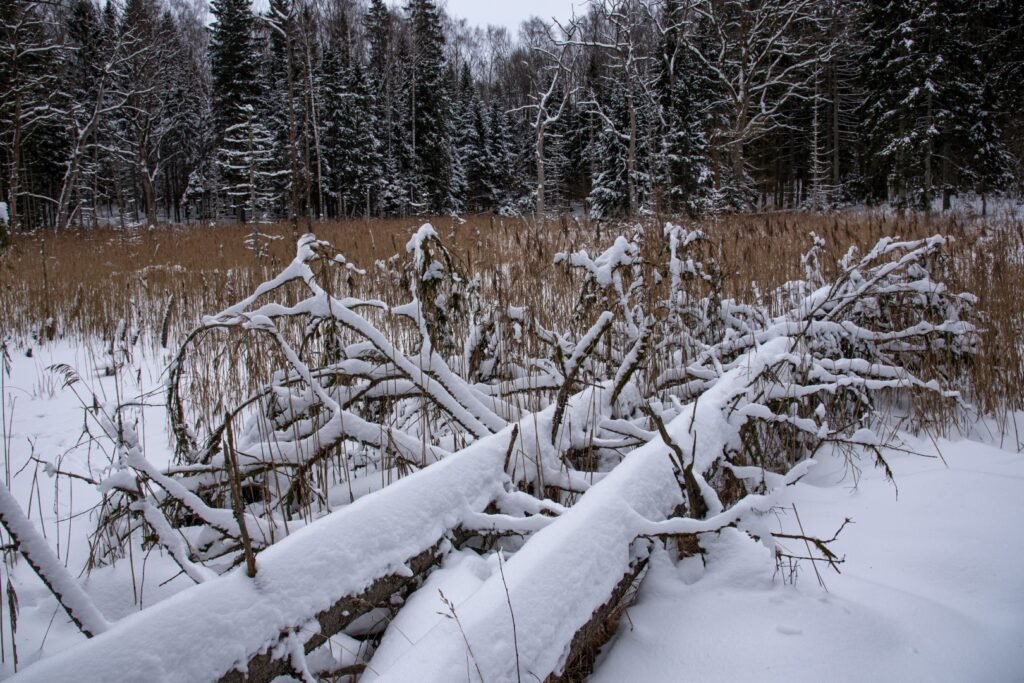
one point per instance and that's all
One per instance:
(760, 56)
(551, 95)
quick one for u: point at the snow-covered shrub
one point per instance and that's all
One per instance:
(362, 392)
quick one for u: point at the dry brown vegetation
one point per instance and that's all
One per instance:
(308, 389)
(157, 284)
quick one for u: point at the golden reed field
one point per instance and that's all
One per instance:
(157, 283)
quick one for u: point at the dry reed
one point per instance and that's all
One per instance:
(153, 286)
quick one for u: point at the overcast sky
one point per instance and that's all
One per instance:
(510, 12)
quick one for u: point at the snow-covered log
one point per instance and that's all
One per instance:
(304, 585)
(589, 553)
(584, 554)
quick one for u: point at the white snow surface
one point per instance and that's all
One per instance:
(932, 588)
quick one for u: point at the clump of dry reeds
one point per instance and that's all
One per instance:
(155, 285)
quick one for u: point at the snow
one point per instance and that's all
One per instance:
(297, 577)
(46, 563)
(931, 589)
(461, 576)
(583, 555)
(602, 269)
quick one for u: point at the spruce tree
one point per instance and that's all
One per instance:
(610, 192)
(431, 118)
(683, 167)
(398, 187)
(235, 90)
(247, 160)
(505, 183)
(232, 60)
(927, 125)
(352, 149)
(476, 159)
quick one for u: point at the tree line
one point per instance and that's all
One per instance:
(172, 110)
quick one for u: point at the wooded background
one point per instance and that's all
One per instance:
(172, 110)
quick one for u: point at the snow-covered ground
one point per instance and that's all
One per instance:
(45, 424)
(932, 588)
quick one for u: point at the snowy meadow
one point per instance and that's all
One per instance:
(784, 446)
(348, 340)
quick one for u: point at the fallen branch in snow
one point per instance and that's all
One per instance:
(820, 544)
(309, 586)
(591, 637)
(75, 601)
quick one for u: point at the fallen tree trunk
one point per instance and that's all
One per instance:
(593, 635)
(269, 665)
(590, 553)
(585, 554)
(235, 628)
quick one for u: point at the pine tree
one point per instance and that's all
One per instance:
(431, 117)
(927, 126)
(684, 173)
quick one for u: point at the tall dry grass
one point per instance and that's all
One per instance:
(154, 285)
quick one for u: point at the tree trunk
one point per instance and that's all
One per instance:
(292, 135)
(316, 134)
(540, 173)
(631, 156)
(148, 194)
(926, 198)
(12, 187)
